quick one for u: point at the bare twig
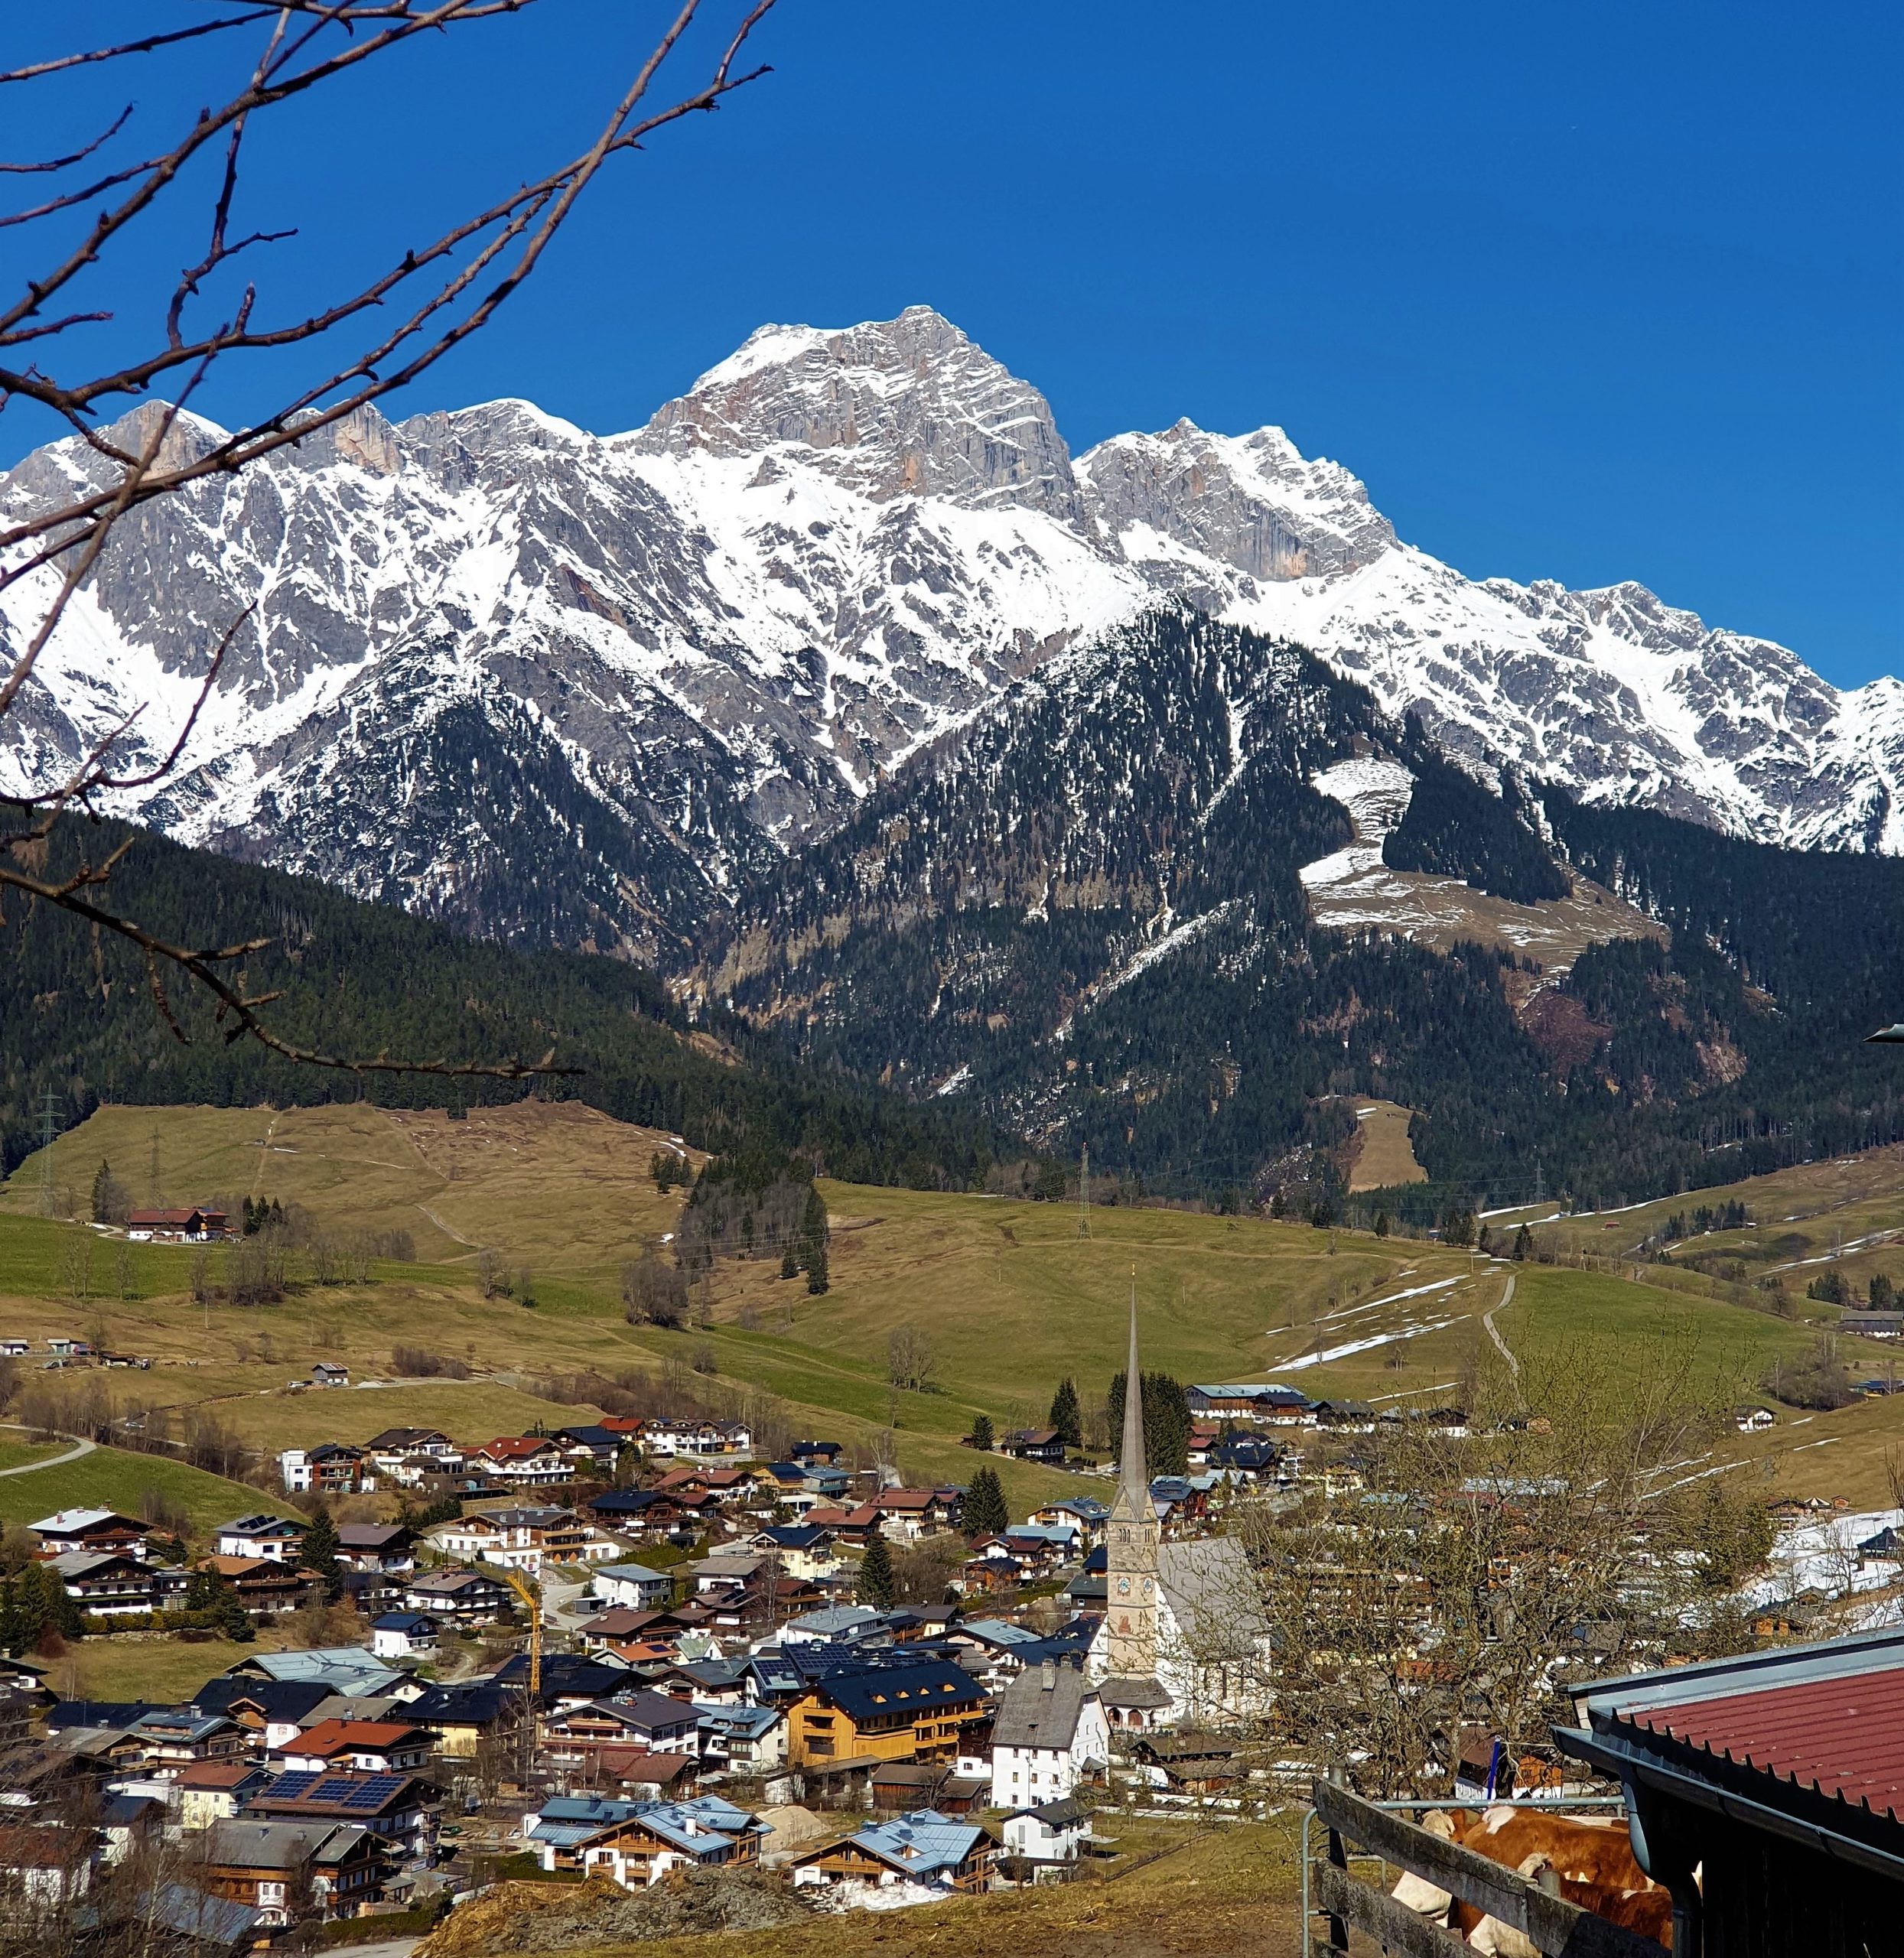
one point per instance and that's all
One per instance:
(443, 292)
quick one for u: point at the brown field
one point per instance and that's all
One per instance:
(1384, 1155)
(1009, 1297)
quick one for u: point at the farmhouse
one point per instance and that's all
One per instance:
(280, 1868)
(527, 1460)
(91, 1530)
(196, 1225)
(638, 1843)
(924, 1848)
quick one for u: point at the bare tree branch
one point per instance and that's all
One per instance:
(446, 290)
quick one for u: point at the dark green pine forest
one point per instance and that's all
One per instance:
(362, 979)
(1080, 921)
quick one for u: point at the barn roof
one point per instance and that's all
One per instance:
(1806, 1743)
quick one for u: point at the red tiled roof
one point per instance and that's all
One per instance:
(1843, 1737)
(216, 1774)
(331, 1737)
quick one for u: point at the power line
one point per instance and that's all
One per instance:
(50, 1108)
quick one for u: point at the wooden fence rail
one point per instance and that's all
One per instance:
(1558, 1928)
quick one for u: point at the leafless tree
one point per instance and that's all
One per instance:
(90, 216)
(910, 1360)
(1462, 1575)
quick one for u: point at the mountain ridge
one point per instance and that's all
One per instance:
(581, 689)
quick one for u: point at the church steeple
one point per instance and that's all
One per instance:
(1133, 1479)
(1130, 1558)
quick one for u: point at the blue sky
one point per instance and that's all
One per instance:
(1581, 292)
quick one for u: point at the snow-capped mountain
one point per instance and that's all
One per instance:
(554, 685)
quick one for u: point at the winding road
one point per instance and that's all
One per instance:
(73, 1454)
(1487, 1320)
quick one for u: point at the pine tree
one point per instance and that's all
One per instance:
(230, 1618)
(102, 1193)
(789, 1263)
(1066, 1417)
(62, 1607)
(1523, 1243)
(985, 1513)
(201, 1591)
(816, 1276)
(1381, 1223)
(1166, 1423)
(981, 1434)
(320, 1554)
(876, 1586)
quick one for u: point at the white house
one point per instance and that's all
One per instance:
(1050, 1836)
(261, 1535)
(633, 1585)
(404, 1635)
(1050, 1733)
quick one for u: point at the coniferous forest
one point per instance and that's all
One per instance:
(1081, 922)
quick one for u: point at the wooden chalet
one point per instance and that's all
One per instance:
(889, 1713)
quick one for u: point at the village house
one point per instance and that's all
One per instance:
(284, 1870)
(1084, 1513)
(166, 1741)
(263, 1535)
(741, 1740)
(932, 1851)
(96, 1530)
(524, 1540)
(802, 1550)
(638, 1843)
(263, 1585)
(592, 1446)
(198, 1224)
(381, 1546)
(633, 1586)
(524, 1460)
(1224, 1402)
(632, 1512)
(400, 1811)
(106, 1584)
(210, 1791)
(458, 1597)
(732, 1439)
(397, 1635)
(1050, 1837)
(632, 1775)
(1033, 1445)
(906, 1515)
(45, 1864)
(369, 1747)
(892, 1713)
(651, 1721)
(332, 1467)
(1049, 1733)
(411, 1456)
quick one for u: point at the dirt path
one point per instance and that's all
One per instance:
(73, 1454)
(1487, 1321)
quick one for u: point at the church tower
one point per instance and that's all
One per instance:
(1130, 1635)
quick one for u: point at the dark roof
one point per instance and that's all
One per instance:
(569, 1675)
(1040, 1709)
(1062, 1814)
(107, 1713)
(624, 1502)
(281, 1699)
(899, 1689)
(478, 1702)
(1122, 1690)
(371, 1536)
(794, 1536)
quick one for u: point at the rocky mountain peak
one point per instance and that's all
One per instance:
(906, 407)
(1252, 503)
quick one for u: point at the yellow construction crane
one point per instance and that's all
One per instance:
(524, 1590)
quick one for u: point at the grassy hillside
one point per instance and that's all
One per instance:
(1008, 1295)
(116, 1478)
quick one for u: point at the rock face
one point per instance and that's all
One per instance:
(555, 686)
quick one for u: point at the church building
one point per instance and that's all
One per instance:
(1183, 1637)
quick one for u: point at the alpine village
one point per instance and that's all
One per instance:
(799, 1153)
